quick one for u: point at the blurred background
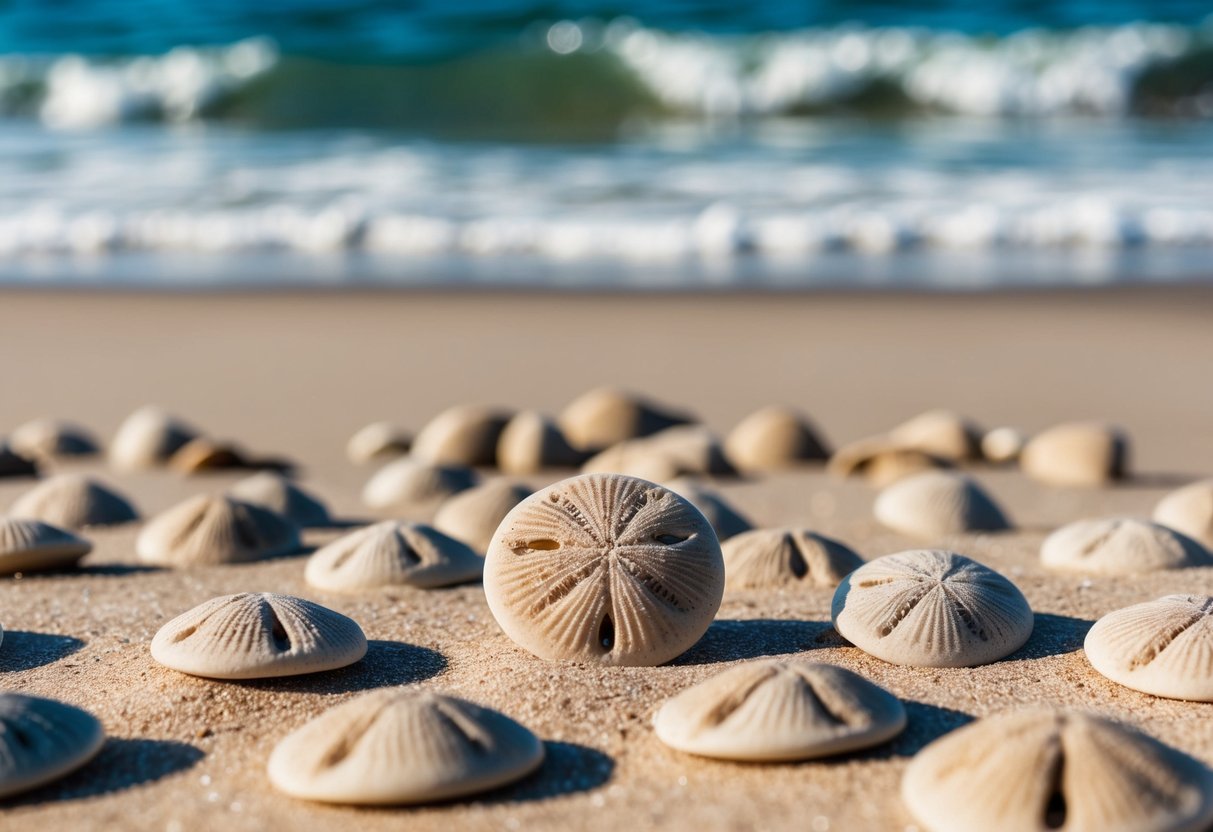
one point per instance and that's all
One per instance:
(605, 143)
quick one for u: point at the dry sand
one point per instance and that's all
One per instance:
(297, 374)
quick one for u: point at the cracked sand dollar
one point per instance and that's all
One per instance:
(258, 635)
(779, 711)
(377, 440)
(881, 462)
(278, 494)
(1036, 770)
(32, 545)
(1162, 647)
(1189, 510)
(1120, 546)
(74, 501)
(725, 519)
(213, 529)
(473, 516)
(767, 558)
(773, 438)
(403, 746)
(392, 553)
(1076, 454)
(937, 503)
(461, 435)
(929, 608)
(605, 569)
(41, 740)
(940, 433)
(603, 417)
(416, 487)
(532, 442)
(50, 438)
(148, 438)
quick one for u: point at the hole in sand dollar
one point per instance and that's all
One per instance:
(671, 538)
(606, 633)
(1055, 807)
(184, 634)
(544, 545)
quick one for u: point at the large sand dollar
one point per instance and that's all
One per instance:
(605, 568)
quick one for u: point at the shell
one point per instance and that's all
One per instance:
(410, 485)
(929, 608)
(473, 516)
(278, 494)
(1077, 453)
(605, 568)
(205, 454)
(42, 740)
(766, 558)
(378, 439)
(881, 461)
(773, 438)
(687, 449)
(402, 745)
(31, 545)
(725, 519)
(1002, 445)
(1189, 511)
(773, 711)
(604, 417)
(392, 553)
(48, 438)
(74, 501)
(462, 435)
(1036, 770)
(147, 438)
(13, 464)
(937, 503)
(209, 529)
(939, 433)
(532, 442)
(1120, 546)
(258, 636)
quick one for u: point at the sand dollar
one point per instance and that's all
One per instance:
(1189, 510)
(937, 503)
(773, 438)
(1077, 454)
(1120, 546)
(473, 516)
(881, 461)
(414, 486)
(31, 545)
(392, 553)
(532, 442)
(605, 416)
(278, 494)
(461, 435)
(74, 501)
(41, 740)
(377, 440)
(940, 433)
(212, 529)
(49, 438)
(786, 557)
(149, 437)
(1002, 445)
(724, 517)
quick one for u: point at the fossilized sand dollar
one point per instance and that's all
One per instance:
(42, 740)
(1120, 546)
(605, 568)
(786, 557)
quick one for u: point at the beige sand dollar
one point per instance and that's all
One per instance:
(403, 746)
(212, 529)
(605, 416)
(773, 438)
(392, 553)
(378, 440)
(42, 740)
(148, 438)
(1003, 445)
(1163, 647)
(933, 504)
(414, 486)
(774, 710)
(686, 449)
(461, 435)
(31, 545)
(203, 454)
(767, 558)
(930, 608)
(258, 635)
(605, 568)
(74, 501)
(473, 516)
(881, 461)
(940, 433)
(50, 438)
(1036, 770)
(1120, 546)
(1189, 511)
(282, 496)
(532, 442)
(1084, 454)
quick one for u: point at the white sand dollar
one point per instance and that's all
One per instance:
(148, 438)
(473, 516)
(937, 503)
(1002, 445)
(258, 635)
(765, 558)
(774, 710)
(929, 608)
(49, 438)
(773, 438)
(881, 461)
(42, 740)
(461, 435)
(1077, 454)
(724, 517)
(940, 433)
(1162, 647)
(31, 545)
(392, 553)
(377, 440)
(605, 416)
(1120, 546)
(403, 746)
(605, 568)
(74, 501)
(415, 486)
(1036, 770)
(1189, 510)
(532, 442)
(278, 494)
(213, 529)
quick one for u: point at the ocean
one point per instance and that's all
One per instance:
(178, 143)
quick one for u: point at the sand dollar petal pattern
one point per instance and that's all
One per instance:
(1120, 546)
(392, 553)
(207, 530)
(1189, 510)
(786, 557)
(278, 494)
(31, 545)
(930, 608)
(74, 501)
(41, 740)
(936, 503)
(1041, 769)
(605, 568)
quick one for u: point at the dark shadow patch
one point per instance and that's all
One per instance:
(22, 650)
(121, 764)
(116, 570)
(731, 640)
(568, 768)
(924, 724)
(386, 663)
(1053, 635)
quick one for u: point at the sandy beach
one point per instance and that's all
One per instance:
(296, 374)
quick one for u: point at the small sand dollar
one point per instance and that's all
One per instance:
(1120, 546)
(414, 486)
(532, 442)
(473, 516)
(1042, 769)
(929, 608)
(377, 440)
(1077, 454)
(940, 433)
(31, 545)
(881, 461)
(42, 740)
(13, 464)
(461, 435)
(148, 438)
(49, 438)
(605, 568)
(773, 438)
(203, 454)
(392, 553)
(773, 711)
(1002, 445)
(937, 503)
(402, 746)
(213, 529)
(765, 558)
(1189, 511)
(258, 635)
(686, 449)
(604, 417)
(1162, 647)
(724, 517)
(74, 501)
(278, 494)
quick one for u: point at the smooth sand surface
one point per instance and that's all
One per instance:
(298, 374)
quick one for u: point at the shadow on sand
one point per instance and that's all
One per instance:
(22, 650)
(731, 640)
(121, 764)
(386, 663)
